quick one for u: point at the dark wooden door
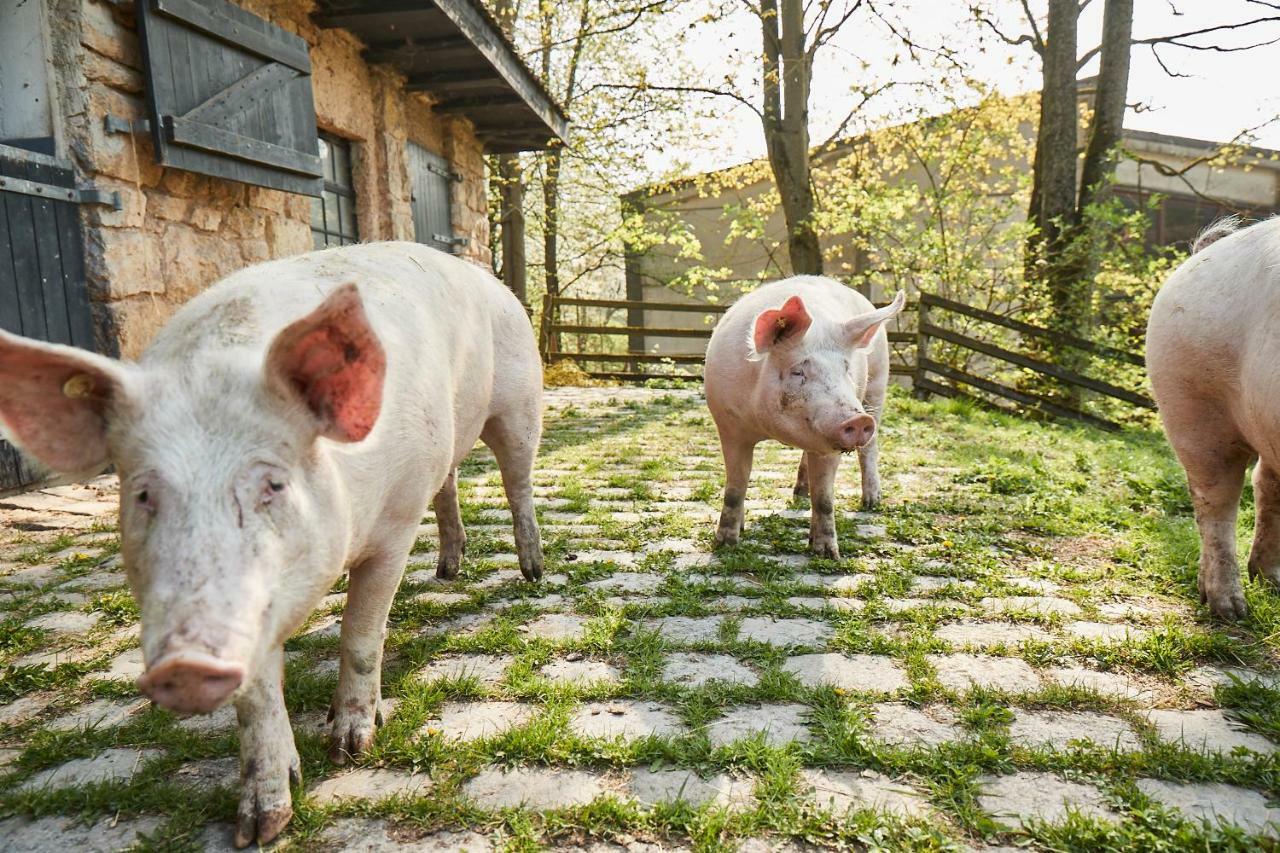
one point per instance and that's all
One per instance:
(43, 293)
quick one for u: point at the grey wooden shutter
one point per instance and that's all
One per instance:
(230, 95)
(432, 180)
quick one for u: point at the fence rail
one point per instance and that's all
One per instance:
(595, 360)
(927, 330)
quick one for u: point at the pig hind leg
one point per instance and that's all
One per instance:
(822, 500)
(801, 489)
(1264, 556)
(513, 438)
(738, 457)
(453, 538)
(1215, 457)
(355, 711)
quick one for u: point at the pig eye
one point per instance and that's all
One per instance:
(270, 489)
(797, 372)
(144, 500)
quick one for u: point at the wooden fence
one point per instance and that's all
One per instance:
(597, 350)
(924, 383)
(603, 357)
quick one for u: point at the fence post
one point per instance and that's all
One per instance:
(922, 348)
(544, 329)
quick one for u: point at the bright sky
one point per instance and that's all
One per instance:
(1223, 94)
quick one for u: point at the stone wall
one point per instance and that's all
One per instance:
(178, 232)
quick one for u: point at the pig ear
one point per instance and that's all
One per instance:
(55, 401)
(332, 362)
(780, 325)
(859, 331)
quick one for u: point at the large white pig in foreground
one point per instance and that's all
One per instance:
(288, 424)
(804, 361)
(1213, 354)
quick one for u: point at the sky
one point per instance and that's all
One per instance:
(1221, 95)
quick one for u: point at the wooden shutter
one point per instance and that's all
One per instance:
(432, 199)
(43, 292)
(230, 95)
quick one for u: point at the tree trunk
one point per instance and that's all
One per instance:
(785, 119)
(511, 221)
(1056, 140)
(551, 231)
(1107, 127)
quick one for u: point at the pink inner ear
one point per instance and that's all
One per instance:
(777, 325)
(67, 433)
(333, 360)
(342, 382)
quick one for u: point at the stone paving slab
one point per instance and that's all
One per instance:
(697, 670)
(901, 725)
(538, 788)
(625, 719)
(369, 783)
(23, 834)
(1062, 730)
(475, 720)
(964, 672)
(866, 673)
(779, 724)
(841, 792)
(1215, 803)
(784, 632)
(1207, 731)
(1021, 798)
(655, 787)
(111, 765)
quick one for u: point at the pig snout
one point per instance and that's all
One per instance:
(855, 432)
(191, 682)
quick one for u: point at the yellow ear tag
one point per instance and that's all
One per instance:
(782, 324)
(78, 387)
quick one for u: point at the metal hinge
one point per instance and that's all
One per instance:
(49, 191)
(444, 172)
(452, 242)
(116, 124)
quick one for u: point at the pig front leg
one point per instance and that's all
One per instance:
(822, 500)
(738, 456)
(1264, 556)
(268, 757)
(355, 710)
(869, 467)
(453, 538)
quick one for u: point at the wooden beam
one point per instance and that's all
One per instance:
(472, 105)
(455, 81)
(471, 19)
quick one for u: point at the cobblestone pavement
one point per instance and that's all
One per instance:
(990, 663)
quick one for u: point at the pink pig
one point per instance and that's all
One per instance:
(289, 424)
(1213, 355)
(803, 361)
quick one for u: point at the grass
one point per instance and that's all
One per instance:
(1000, 506)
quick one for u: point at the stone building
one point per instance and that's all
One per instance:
(149, 147)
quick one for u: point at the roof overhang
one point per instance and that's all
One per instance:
(455, 51)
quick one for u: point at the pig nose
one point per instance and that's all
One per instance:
(856, 432)
(190, 682)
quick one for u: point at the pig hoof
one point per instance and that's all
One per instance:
(350, 737)
(728, 535)
(447, 567)
(1228, 605)
(266, 805)
(828, 549)
(532, 569)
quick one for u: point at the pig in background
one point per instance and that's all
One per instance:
(804, 361)
(288, 424)
(1213, 354)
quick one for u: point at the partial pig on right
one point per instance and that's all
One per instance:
(1213, 354)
